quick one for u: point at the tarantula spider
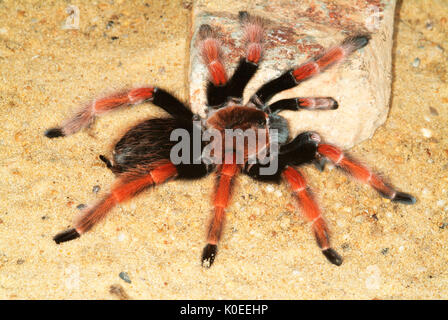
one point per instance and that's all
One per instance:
(142, 156)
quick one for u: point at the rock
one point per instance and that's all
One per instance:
(296, 31)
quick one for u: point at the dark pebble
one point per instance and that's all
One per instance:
(125, 277)
(385, 251)
(81, 206)
(433, 111)
(96, 189)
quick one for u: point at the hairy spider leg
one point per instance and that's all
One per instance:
(363, 174)
(85, 116)
(309, 103)
(218, 93)
(210, 49)
(312, 213)
(128, 185)
(225, 177)
(318, 64)
(248, 65)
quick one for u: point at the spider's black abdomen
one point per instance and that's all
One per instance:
(149, 143)
(146, 143)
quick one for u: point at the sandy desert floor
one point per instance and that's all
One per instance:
(150, 248)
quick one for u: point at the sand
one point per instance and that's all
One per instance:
(150, 248)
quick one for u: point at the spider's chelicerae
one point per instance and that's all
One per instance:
(142, 159)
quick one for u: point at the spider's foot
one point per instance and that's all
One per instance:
(54, 133)
(356, 42)
(208, 255)
(404, 198)
(66, 235)
(332, 256)
(243, 16)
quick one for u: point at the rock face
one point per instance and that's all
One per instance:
(295, 32)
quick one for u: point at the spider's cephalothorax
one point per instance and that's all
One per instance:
(143, 157)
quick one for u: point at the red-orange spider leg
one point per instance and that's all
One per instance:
(210, 49)
(312, 213)
(127, 186)
(253, 37)
(329, 58)
(226, 175)
(85, 116)
(363, 174)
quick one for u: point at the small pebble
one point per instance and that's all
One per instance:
(121, 236)
(441, 203)
(96, 189)
(20, 261)
(285, 222)
(429, 25)
(426, 132)
(433, 111)
(125, 277)
(110, 24)
(416, 62)
(385, 251)
(81, 206)
(373, 281)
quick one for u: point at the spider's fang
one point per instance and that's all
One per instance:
(54, 133)
(66, 235)
(208, 255)
(404, 198)
(332, 256)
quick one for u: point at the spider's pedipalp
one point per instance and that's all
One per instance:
(363, 174)
(312, 213)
